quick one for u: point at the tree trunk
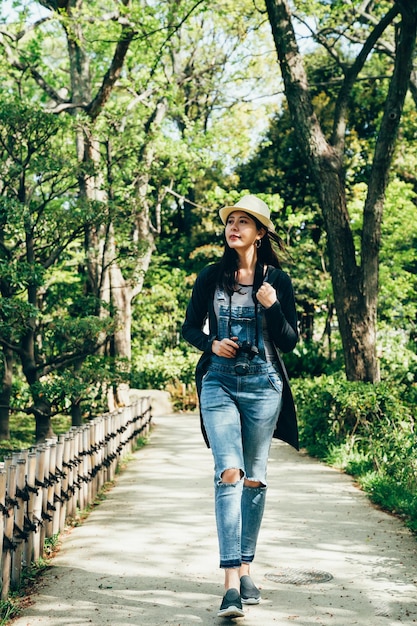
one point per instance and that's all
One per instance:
(356, 314)
(76, 414)
(106, 279)
(42, 412)
(101, 258)
(6, 393)
(41, 408)
(355, 287)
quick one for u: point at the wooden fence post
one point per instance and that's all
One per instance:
(99, 467)
(64, 482)
(8, 545)
(87, 465)
(82, 499)
(3, 513)
(117, 430)
(72, 509)
(30, 522)
(50, 480)
(76, 471)
(95, 443)
(92, 442)
(19, 517)
(101, 451)
(37, 504)
(106, 449)
(129, 429)
(58, 471)
(45, 514)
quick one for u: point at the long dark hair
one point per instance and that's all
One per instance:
(266, 255)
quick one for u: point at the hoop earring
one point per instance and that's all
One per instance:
(258, 243)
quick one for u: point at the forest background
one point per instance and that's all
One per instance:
(126, 125)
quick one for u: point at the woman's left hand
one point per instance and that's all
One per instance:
(266, 295)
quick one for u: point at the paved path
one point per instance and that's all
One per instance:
(148, 554)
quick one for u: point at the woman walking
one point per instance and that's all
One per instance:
(245, 398)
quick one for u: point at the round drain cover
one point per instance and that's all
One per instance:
(298, 576)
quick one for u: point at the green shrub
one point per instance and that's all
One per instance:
(397, 356)
(308, 359)
(312, 402)
(391, 495)
(157, 371)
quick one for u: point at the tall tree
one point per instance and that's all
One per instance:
(355, 282)
(83, 92)
(39, 220)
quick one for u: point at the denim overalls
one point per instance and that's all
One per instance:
(240, 415)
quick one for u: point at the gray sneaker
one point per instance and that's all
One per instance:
(231, 605)
(249, 592)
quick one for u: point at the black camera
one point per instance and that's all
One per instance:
(244, 356)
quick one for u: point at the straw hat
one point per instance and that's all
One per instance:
(253, 206)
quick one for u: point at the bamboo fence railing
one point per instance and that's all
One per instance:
(42, 487)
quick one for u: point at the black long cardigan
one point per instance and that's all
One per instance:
(281, 319)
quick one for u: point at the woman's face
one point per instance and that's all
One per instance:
(241, 231)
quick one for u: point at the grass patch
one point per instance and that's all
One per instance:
(9, 609)
(20, 595)
(22, 432)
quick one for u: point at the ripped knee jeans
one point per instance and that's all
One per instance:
(239, 415)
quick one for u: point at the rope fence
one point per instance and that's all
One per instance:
(42, 487)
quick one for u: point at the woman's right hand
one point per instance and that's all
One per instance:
(226, 347)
